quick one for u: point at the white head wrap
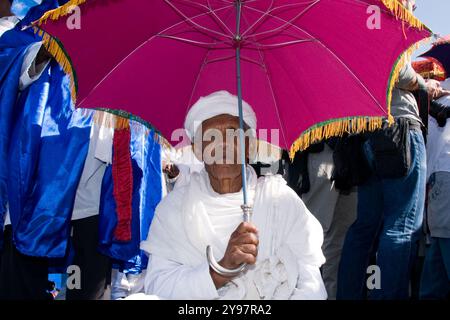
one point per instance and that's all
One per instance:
(217, 103)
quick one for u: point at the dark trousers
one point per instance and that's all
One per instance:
(22, 277)
(436, 271)
(390, 214)
(95, 268)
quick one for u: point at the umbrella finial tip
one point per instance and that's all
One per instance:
(237, 41)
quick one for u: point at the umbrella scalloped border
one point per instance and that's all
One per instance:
(57, 51)
(61, 11)
(54, 46)
(402, 60)
(357, 124)
(335, 128)
(314, 134)
(402, 13)
(122, 114)
(122, 120)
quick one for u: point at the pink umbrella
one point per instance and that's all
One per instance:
(311, 69)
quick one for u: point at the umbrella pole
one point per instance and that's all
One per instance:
(241, 116)
(246, 209)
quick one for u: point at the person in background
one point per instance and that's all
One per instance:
(435, 281)
(335, 209)
(391, 202)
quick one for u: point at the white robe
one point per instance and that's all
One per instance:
(99, 156)
(193, 216)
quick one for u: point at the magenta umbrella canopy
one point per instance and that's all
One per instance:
(311, 69)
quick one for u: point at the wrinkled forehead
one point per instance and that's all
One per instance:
(221, 121)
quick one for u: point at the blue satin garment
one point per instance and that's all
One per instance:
(46, 158)
(147, 193)
(151, 195)
(10, 67)
(13, 46)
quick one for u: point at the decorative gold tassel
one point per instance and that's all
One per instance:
(122, 123)
(108, 119)
(401, 62)
(335, 128)
(104, 119)
(61, 11)
(57, 52)
(402, 13)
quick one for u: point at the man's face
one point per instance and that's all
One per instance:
(217, 145)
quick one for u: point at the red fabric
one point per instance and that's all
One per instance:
(123, 183)
(430, 68)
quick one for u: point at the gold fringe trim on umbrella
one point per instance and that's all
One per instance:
(402, 13)
(335, 128)
(54, 47)
(404, 59)
(61, 11)
(113, 121)
(56, 50)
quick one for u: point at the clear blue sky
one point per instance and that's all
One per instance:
(436, 15)
(20, 7)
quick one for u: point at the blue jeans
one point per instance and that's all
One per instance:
(390, 213)
(435, 282)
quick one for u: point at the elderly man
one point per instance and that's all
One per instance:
(282, 246)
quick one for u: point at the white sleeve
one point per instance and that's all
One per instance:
(310, 285)
(30, 72)
(306, 239)
(171, 280)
